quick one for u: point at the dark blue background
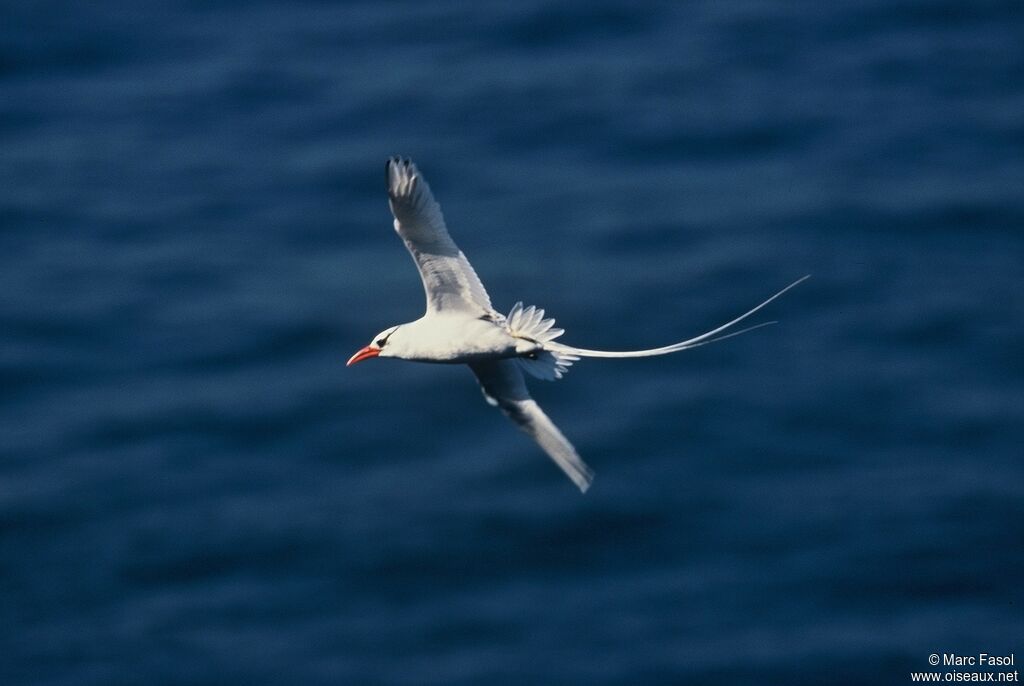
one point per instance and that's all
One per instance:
(194, 237)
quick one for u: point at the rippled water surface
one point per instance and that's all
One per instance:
(194, 237)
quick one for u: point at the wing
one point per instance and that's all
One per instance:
(448, 278)
(504, 387)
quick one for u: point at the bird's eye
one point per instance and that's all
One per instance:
(380, 342)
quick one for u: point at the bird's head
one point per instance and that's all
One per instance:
(382, 345)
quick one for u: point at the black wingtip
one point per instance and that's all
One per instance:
(394, 160)
(406, 162)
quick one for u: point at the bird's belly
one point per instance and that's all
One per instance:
(470, 341)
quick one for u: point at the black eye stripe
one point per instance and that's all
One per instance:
(383, 339)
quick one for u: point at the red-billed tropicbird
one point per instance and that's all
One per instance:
(460, 326)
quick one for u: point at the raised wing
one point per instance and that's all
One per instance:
(504, 387)
(448, 278)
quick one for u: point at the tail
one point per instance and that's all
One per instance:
(703, 339)
(529, 324)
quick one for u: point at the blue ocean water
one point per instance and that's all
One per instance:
(194, 237)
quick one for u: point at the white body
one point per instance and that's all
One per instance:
(454, 337)
(460, 326)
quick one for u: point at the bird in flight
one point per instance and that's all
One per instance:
(460, 325)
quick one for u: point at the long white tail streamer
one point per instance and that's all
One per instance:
(703, 339)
